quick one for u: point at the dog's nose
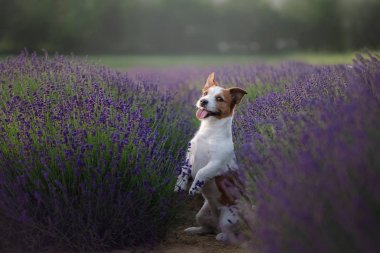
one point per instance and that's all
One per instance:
(203, 102)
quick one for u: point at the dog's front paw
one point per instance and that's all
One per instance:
(181, 184)
(179, 188)
(196, 187)
(194, 191)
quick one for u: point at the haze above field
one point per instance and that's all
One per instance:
(161, 27)
(124, 62)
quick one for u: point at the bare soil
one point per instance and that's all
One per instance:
(183, 243)
(179, 242)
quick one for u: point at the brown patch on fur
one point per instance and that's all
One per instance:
(226, 199)
(225, 107)
(231, 97)
(237, 94)
(236, 187)
(210, 82)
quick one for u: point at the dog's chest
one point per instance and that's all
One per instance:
(199, 154)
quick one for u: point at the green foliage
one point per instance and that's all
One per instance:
(261, 89)
(180, 26)
(87, 155)
(123, 62)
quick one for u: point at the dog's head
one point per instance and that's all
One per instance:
(216, 101)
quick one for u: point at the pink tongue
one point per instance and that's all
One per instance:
(201, 114)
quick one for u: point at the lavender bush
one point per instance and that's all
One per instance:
(87, 155)
(311, 160)
(308, 145)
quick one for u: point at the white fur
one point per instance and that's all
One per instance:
(211, 153)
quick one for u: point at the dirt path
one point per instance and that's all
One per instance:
(179, 242)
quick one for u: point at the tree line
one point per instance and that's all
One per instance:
(183, 26)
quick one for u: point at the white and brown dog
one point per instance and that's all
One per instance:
(212, 159)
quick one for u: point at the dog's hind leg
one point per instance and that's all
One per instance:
(227, 221)
(206, 221)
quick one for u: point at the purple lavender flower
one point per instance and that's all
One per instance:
(313, 178)
(88, 145)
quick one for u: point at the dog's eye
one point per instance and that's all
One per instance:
(219, 99)
(205, 93)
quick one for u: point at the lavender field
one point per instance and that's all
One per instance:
(89, 155)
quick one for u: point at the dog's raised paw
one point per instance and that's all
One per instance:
(181, 184)
(194, 190)
(180, 187)
(196, 187)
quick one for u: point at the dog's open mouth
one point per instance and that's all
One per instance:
(203, 113)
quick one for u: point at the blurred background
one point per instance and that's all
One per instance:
(184, 27)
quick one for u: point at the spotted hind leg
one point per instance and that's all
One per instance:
(227, 222)
(206, 221)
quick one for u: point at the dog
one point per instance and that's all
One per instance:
(211, 160)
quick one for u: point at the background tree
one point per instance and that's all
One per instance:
(181, 26)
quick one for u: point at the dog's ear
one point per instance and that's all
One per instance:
(237, 94)
(210, 82)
